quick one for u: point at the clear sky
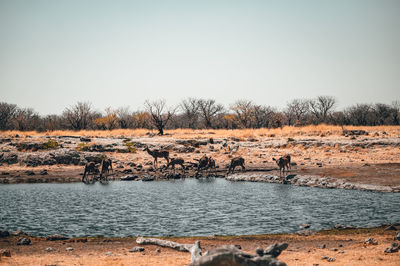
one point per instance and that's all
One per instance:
(120, 53)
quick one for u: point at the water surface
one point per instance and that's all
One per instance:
(187, 207)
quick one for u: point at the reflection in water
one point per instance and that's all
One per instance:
(187, 207)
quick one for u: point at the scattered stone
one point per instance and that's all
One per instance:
(5, 173)
(334, 249)
(19, 233)
(49, 249)
(323, 246)
(56, 237)
(340, 245)
(392, 249)
(370, 241)
(69, 249)
(238, 246)
(158, 250)
(29, 172)
(23, 241)
(397, 236)
(108, 253)
(147, 178)
(83, 139)
(306, 232)
(136, 249)
(324, 258)
(127, 171)
(305, 226)
(341, 251)
(44, 172)
(331, 259)
(129, 177)
(5, 253)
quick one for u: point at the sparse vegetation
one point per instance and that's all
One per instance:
(130, 147)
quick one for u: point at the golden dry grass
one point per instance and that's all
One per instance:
(287, 131)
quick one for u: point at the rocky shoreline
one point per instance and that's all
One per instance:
(310, 181)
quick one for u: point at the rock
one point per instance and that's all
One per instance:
(340, 245)
(305, 226)
(147, 178)
(108, 253)
(128, 178)
(397, 236)
(9, 158)
(341, 251)
(19, 233)
(4, 233)
(370, 241)
(56, 237)
(44, 172)
(69, 249)
(158, 250)
(49, 249)
(127, 171)
(5, 253)
(23, 241)
(5, 173)
(331, 259)
(334, 249)
(136, 249)
(323, 246)
(29, 172)
(83, 139)
(305, 232)
(392, 249)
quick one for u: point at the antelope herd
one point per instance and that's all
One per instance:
(205, 163)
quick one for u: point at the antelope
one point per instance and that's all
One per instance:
(203, 163)
(237, 161)
(211, 163)
(282, 163)
(158, 154)
(175, 161)
(90, 168)
(105, 164)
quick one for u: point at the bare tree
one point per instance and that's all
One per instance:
(208, 110)
(190, 108)
(160, 116)
(262, 116)
(79, 116)
(296, 110)
(7, 112)
(26, 119)
(125, 117)
(244, 112)
(321, 107)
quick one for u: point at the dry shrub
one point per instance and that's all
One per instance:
(286, 131)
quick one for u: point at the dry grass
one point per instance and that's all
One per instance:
(287, 131)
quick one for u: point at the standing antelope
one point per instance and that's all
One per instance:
(158, 154)
(282, 163)
(105, 164)
(237, 161)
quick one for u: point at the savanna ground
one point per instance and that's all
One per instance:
(346, 246)
(372, 158)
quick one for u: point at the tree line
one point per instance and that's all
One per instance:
(201, 113)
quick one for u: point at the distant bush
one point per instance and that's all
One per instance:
(82, 146)
(130, 147)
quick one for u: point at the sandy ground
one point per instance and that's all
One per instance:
(346, 246)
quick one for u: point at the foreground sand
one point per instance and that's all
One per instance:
(303, 250)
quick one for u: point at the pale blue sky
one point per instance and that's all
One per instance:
(120, 53)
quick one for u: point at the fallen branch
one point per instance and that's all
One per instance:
(224, 255)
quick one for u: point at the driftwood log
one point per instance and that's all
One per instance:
(224, 255)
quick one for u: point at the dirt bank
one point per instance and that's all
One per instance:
(346, 246)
